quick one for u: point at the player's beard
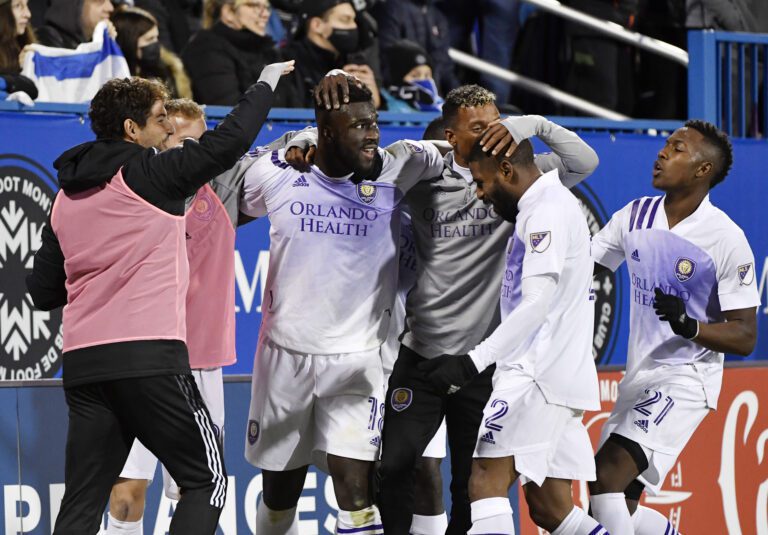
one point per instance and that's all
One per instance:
(371, 173)
(507, 210)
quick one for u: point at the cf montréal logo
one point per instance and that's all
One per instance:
(30, 339)
(606, 286)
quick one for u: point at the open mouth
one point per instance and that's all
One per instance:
(657, 168)
(369, 152)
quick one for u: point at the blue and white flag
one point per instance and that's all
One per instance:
(74, 76)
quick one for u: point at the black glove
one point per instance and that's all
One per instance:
(672, 309)
(448, 373)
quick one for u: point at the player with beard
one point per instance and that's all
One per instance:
(317, 378)
(694, 298)
(460, 244)
(545, 376)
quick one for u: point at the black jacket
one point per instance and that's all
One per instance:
(163, 179)
(222, 63)
(62, 25)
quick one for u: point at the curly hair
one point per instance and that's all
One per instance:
(717, 140)
(465, 96)
(120, 99)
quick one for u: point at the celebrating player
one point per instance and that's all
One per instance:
(114, 253)
(453, 306)
(545, 376)
(693, 298)
(317, 378)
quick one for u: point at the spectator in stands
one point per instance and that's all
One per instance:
(172, 21)
(137, 35)
(226, 57)
(732, 15)
(497, 21)
(329, 38)
(71, 22)
(419, 21)
(410, 82)
(15, 34)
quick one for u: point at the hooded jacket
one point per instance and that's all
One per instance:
(162, 179)
(62, 25)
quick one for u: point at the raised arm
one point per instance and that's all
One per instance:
(571, 156)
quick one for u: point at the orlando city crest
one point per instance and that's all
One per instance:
(253, 431)
(684, 269)
(540, 241)
(746, 274)
(366, 193)
(401, 398)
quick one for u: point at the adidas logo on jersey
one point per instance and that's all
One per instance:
(635, 256)
(642, 424)
(488, 437)
(301, 182)
(375, 441)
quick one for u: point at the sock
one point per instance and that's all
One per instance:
(269, 522)
(363, 522)
(429, 525)
(124, 527)
(492, 515)
(611, 511)
(649, 521)
(579, 523)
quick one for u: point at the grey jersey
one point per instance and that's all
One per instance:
(460, 243)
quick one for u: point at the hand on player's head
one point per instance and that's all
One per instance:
(496, 138)
(333, 90)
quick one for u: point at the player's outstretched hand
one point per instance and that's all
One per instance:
(448, 373)
(672, 309)
(272, 72)
(301, 158)
(333, 89)
(496, 137)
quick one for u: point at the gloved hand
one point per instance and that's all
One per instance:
(672, 309)
(272, 72)
(448, 373)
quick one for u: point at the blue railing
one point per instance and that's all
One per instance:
(727, 77)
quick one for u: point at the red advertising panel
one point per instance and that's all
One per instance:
(720, 482)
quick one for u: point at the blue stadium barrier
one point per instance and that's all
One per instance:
(727, 77)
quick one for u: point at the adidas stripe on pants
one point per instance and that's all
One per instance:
(168, 415)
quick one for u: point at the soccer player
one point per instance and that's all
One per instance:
(693, 298)
(317, 378)
(211, 219)
(460, 244)
(545, 376)
(113, 252)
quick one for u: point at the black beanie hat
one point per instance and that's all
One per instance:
(403, 56)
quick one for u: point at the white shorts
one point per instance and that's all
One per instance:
(659, 410)
(545, 440)
(141, 462)
(304, 403)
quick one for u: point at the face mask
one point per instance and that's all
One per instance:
(420, 94)
(345, 41)
(150, 54)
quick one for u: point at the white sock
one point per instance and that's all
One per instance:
(429, 525)
(364, 522)
(649, 521)
(579, 523)
(269, 522)
(492, 515)
(124, 527)
(611, 511)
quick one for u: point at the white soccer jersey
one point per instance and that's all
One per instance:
(333, 248)
(551, 237)
(705, 260)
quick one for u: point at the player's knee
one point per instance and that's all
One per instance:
(352, 489)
